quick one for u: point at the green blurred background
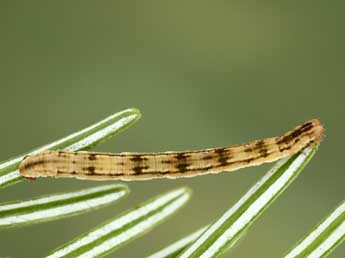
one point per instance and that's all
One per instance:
(204, 74)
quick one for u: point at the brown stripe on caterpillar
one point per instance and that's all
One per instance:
(29, 165)
(139, 166)
(200, 170)
(295, 133)
(207, 157)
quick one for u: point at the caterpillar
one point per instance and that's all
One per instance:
(140, 166)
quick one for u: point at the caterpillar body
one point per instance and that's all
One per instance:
(140, 166)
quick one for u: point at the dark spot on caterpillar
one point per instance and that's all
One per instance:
(138, 158)
(249, 160)
(223, 156)
(92, 156)
(182, 167)
(139, 169)
(248, 149)
(90, 170)
(62, 154)
(262, 149)
(182, 163)
(138, 161)
(284, 148)
(208, 157)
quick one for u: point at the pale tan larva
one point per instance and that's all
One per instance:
(139, 166)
